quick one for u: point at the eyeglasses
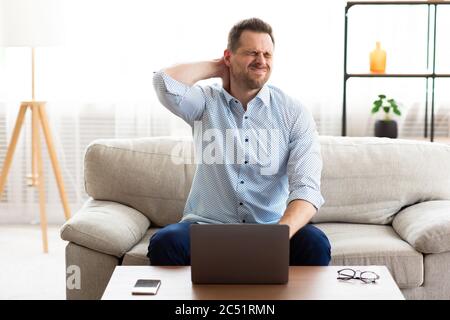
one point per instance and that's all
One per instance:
(364, 276)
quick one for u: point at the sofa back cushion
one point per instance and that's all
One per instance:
(152, 175)
(368, 180)
(364, 180)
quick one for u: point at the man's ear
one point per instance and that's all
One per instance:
(227, 57)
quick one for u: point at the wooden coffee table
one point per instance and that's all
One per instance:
(305, 283)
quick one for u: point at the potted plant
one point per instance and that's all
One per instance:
(386, 127)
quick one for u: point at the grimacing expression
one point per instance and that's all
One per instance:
(251, 64)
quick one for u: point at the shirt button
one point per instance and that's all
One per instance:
(235, 101)
(240, 203)
(245, 161)
(242, 181)
(243, 221)
(245, 117)
(246, 139)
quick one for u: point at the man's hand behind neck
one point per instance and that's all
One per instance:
(191, 73)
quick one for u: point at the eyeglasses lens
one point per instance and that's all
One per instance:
(346, 274)
(369, 276)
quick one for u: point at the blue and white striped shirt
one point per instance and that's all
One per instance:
(250, 164)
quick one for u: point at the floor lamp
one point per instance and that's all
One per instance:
(33, 23)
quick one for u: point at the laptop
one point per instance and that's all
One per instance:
(239, 253)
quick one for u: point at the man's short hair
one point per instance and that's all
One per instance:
(253, 24)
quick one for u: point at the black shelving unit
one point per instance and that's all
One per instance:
(428, 76)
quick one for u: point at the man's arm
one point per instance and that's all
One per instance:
(191, 73)
(297, 214)
(304, 169)
(175, 88)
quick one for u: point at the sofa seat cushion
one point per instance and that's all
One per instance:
(363, 244)
(137, 256)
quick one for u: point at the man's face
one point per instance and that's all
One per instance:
(251, 64)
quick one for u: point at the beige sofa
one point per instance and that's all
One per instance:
(387, 203)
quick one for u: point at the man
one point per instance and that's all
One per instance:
(284, 189)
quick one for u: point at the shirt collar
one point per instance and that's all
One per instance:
(228, 96)
(263, 95)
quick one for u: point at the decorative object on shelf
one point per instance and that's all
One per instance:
(378, 59)
(386, 127)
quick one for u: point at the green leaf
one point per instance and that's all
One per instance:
(396, 111)
(392, 102)
(386, 105)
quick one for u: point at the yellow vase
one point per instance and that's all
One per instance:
(378, 60)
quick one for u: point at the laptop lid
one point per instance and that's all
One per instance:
(239, 253)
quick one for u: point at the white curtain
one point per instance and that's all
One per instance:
(98, 84)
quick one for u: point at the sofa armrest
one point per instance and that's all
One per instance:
(425, 226)
(105, 226)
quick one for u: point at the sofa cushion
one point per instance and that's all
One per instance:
(425, 226)
(137, 256)
(364, 179)
(362, 244)
(105, 226)
(368, 179)
(152, 175)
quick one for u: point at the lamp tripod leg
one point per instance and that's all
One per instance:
(12, 146)
(40, 176)
(51, 150)
(33, 179)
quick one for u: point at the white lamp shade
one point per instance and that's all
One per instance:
(31, 23)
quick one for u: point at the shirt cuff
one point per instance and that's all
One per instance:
(171, 85)
(308, 194)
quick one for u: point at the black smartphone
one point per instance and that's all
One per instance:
(146, 286)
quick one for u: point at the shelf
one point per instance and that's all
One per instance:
(397, 75)
(409, 3)
(430, 59)
(390, 75)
